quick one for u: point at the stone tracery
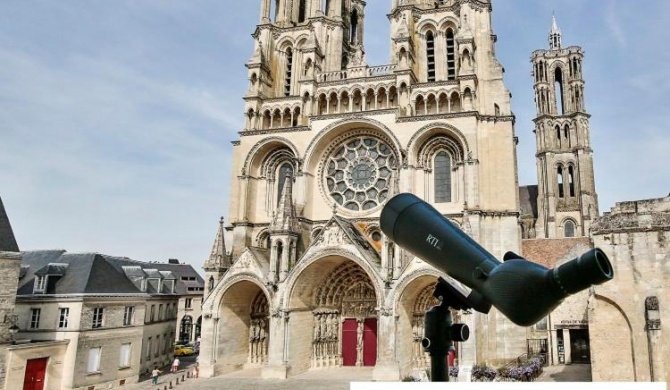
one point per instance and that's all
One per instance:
(259, 329)
(346, 293)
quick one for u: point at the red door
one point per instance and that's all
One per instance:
(370, 342)
(349, 340)
(36, 372)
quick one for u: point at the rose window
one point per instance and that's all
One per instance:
(358, 173)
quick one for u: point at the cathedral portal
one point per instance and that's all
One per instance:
(335, 298)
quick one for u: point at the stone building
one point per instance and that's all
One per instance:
(190, 287)
(626, 318)
(310, 280)
(115, 316)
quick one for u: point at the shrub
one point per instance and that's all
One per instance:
(482, 373)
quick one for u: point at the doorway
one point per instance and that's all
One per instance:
(36, 371)
(355, 338)
(580, 351)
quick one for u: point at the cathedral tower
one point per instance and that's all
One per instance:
(567, 201)
(327, 139)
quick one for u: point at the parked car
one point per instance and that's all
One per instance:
(183, 350)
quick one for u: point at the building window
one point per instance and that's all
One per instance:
(289, 72)
(541, 324)
(149, 348)
(124, 355)
(151, 313)
(571, 181)
(451, 55)
(442, 172)
(35, 318)
(128, 315)
(188, 302)
(185, 329)
(560, 182)
(569, 229)
(160, 312)
(93, 365)
(558, 91)
(97, 317)
(354, 27)
(40, 283)
(430, 56)
(63, 317)
(157, 345)
(166, 344)
(301, 11)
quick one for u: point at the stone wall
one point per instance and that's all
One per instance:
(9, 275)
(634, 235)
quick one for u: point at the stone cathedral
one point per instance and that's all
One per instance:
(310, 281)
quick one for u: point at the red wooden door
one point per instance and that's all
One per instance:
(370, 342)
(349, 340)
(36, 372)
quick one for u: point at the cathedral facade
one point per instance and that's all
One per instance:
(310, 281)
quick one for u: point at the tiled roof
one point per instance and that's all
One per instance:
(551, 252)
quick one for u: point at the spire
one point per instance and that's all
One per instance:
(554, 34)
(7, 240)
(218, 258)
(285, 217)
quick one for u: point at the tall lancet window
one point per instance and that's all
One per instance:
(430, 55)
(302, 10)
(561, 193)
(289, 72)
(571, 181)
(569, 229)
(442, 173)
(558, 90)
(354, 27)
(451, 55)
(284, 171)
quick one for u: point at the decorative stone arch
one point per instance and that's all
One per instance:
(212, 304)
(603, 341)
(263, 147)
(300, 40)
(241, 332)
(286, 42)
(321, 292)
(435, 129)
(564, 225)
(263, 239)
(274, 160)
(325, 137)
(427, 25)
(306, 262)
(449, 21)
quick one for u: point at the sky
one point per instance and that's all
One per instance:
(116, 117)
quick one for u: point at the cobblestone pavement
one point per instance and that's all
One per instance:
(566, 373)
(321, 379)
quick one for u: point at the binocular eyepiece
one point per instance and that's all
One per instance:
(523, 291)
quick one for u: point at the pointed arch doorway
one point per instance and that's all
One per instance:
(338, 299)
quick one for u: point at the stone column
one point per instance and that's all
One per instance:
(276, 367)
(265, 11)
(387, 368)
(283, 262)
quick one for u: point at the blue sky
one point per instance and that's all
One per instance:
(116, 116)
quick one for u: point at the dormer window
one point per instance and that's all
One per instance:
(40, 284)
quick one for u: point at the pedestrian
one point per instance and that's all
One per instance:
(154, 375)
(197, 366)
(175, 364)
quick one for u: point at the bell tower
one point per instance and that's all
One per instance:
(567, 199)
